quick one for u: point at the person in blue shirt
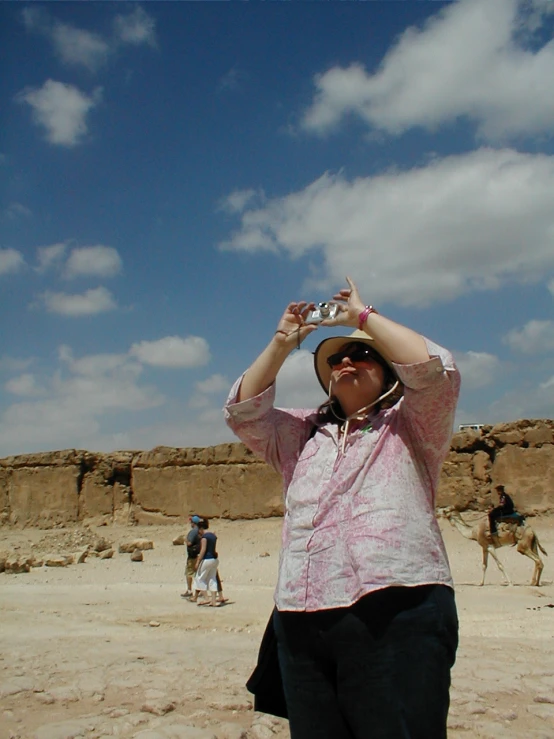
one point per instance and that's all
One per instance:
(207, 563)
(193, 550)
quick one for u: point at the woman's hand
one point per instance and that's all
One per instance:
(350, 306)
(291, 330)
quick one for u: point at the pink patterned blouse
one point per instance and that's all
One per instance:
(359, 515)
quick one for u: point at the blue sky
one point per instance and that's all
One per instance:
(173, 174)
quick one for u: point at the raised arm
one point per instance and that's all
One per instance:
(290, 332)
(396, 342)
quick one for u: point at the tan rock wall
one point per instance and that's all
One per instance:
(166, 485)
(43, 495)
(518, 455)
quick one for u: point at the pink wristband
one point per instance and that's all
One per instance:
(362, 318)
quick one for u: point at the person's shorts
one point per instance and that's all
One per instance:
(190, 570)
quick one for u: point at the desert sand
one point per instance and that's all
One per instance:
(109, 648)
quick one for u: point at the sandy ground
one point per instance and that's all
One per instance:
(108, 648)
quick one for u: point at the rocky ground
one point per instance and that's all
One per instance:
(108, 648)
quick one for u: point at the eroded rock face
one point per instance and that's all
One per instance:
(518, 455)
(166, 484)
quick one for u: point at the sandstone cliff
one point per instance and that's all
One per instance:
(166, 485)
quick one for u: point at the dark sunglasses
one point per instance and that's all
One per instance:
(356, 354)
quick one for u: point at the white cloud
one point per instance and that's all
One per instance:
(79, 47)
(214, 384)
(14, 364)
(205, 429)
(49, 256)
(17, 210)
(61, 109)
(173, 352)
(237, 201)
(477, 369)
(97, 365)
(432, 233)
(548, 385)
(469, 59)
(80, 396)
(93, 261)
(297, 385)
(136, 28)
(526, 401)
(232, 80)
(35, 18)
(91, 302)
(535, 337)
(199, 401)
(85, 401)
(11, 261)
(25, 385)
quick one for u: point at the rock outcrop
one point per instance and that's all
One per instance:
(166, 485)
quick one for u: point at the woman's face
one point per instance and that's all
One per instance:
(357, 378)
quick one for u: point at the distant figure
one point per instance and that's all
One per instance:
(193, 550)
(205, 581)
(505, 508)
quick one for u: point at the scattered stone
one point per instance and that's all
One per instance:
(179, 540)
(46, 698)
(137, 556)
(154, 623)
(265, 554)
(158, 708)
(15, 565)
(509, 716)
(101, 544)
(544, 699)
(106, 554)
(80, 557)
(261, 731)
(118, 712)
(66, 694)
(130, 546)
(228, 730)
(58, 560)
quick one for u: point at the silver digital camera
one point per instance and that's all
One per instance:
(321, 312)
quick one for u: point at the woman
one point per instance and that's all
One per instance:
(205, 580)
(365, 614)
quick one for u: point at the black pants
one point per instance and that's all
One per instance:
(377, 670)
(496, 514)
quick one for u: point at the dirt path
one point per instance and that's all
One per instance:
(108, 648)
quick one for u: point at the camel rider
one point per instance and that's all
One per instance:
(505, 508)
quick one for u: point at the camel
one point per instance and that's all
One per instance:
(520, 535)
